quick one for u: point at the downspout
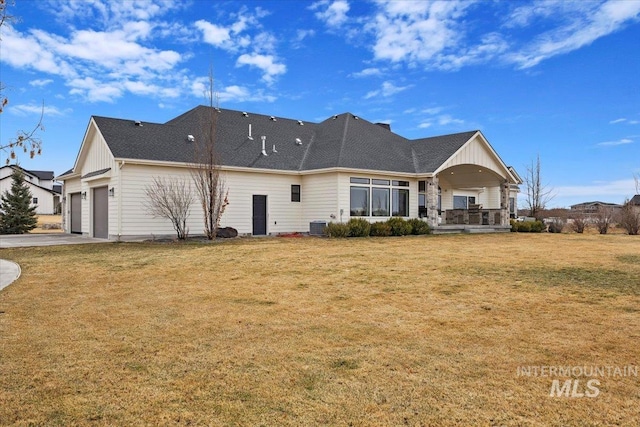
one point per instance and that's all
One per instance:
(120, 199)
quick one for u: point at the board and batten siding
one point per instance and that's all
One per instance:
(474, 153)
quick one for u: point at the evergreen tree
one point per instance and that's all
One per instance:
(17, 216)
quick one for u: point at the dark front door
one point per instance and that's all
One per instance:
(101, 212)
(76, 213)
(259, 215)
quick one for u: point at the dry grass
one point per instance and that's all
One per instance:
(393, 331)
(45, 224)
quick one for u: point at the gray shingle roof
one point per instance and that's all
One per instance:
(340, 141)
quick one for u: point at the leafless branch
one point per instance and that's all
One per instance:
(170, 198)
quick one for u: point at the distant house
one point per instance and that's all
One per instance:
(591, 208)
(635, 200)
(45, 192)
(283, 174)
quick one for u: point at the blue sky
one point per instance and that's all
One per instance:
(554, 79)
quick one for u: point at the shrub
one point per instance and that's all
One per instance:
(381, 229)
(337, 229)
(556, 225)
(399, 227)
(537, 227)
(630, 218)
(359, 227)
(418, 226)
(527, 226)
(514, 225)
(578, 224)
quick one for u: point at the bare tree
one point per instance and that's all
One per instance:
(630, 218)
(604, 218)
(538, 194)
(28, 141)
(170, 198)
(578, 223)
(205, 170)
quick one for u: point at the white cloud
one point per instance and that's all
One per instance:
(416, 31)
(611, 190)
(584, 26)
(425, 125)
(446, 119)
(28, 109)
(388, 89)
(40, 82)
(617, 121)
(439, 35)
(367, 72)
(332, 13)
(622, 141)
(95, 91)
(242, 94)
(267, 63)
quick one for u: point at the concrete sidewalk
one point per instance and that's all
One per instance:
(9, 272)
(53, 239)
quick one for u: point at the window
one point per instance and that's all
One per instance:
(359, 201)
(35, 201)
(295, 193)
(360, 180)
(422, 199)
(378, 197)
(380, 202)
(400, 202)
(380, 181)
(459, 202)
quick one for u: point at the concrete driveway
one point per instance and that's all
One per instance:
(26, 240)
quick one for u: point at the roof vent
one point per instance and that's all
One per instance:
(250, 138)
(138, 123)
(300, 123)
(387, 126)
(298, 141)
(264, 140)
(356, 117)
(190, 138)
(273, 119)
(335, 117)
(274, 148)
(244, 113)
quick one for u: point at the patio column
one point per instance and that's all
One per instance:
(432, 201)
(504, 203)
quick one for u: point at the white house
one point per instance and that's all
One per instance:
(44, 190)
(283, 174)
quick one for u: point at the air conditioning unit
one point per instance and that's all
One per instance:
(316, 228)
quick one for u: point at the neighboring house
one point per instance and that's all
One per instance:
(283, 174)
(635, 200)
(591, 208)
(45, 193)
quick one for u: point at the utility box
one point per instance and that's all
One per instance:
(316, 228)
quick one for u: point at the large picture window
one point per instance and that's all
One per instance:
(359, 201)
(380, 202)
(379, 197)
(459, 202)
(400, 202)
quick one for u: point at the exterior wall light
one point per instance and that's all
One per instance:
(84, 195)
(112, 192)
